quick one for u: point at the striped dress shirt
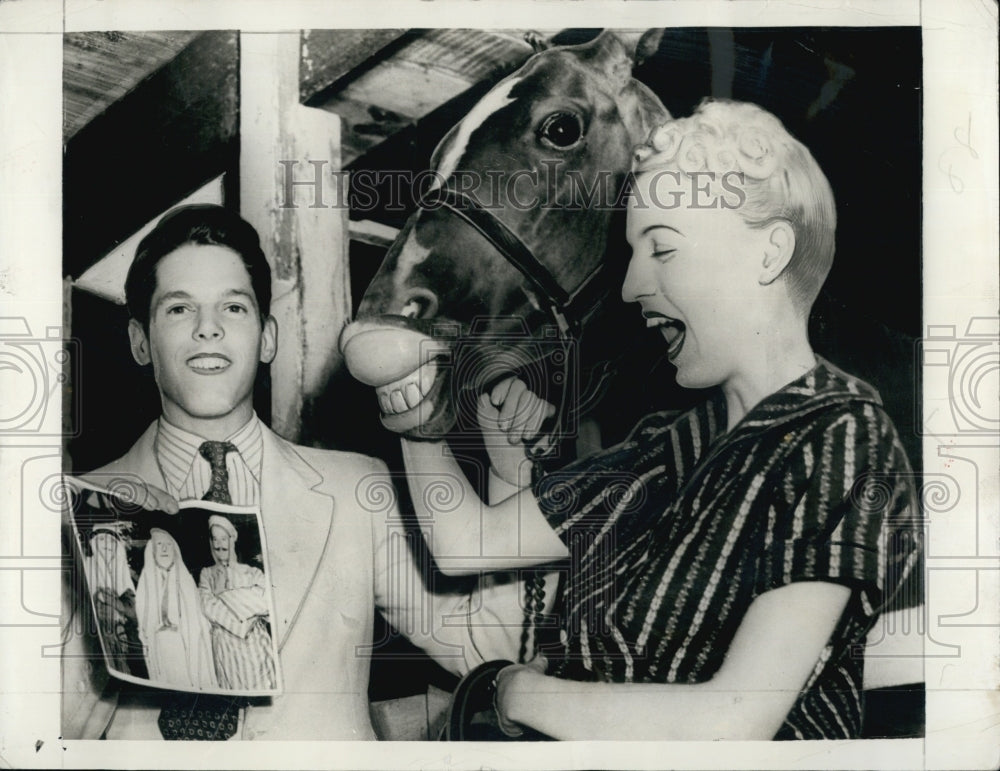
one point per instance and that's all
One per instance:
(673, 533)
(189, 475)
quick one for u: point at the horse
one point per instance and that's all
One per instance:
(501, 265)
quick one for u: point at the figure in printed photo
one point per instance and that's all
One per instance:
(113, 587)
(234, 598)
(172, 627)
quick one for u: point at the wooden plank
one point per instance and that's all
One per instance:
(328, 55)
(99, 68)
(305, 244)
(168, 137)
(374, 233)
(106, 277)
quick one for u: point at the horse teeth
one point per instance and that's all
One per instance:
(426, 377)
(407, 392)
(412, 394)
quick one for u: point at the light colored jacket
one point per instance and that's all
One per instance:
(336, 549)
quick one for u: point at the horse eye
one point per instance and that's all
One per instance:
(561, 130)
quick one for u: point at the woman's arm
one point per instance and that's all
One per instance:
(771, 657)
(465, 534)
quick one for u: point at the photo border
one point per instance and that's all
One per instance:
(960, 247)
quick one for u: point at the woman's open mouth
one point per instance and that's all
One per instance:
(672, 330)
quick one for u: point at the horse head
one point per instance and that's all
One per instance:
(532, 173)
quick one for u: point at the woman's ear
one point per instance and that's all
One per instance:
(268, 340)
(139, 342)
(779, 246)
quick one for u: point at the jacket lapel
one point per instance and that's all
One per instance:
(297, 519)
(140, 461)
(297, 524)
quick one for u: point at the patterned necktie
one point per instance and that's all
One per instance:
(215, 454)
(205, 717)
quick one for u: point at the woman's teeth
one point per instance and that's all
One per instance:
(672, 330)
(674, 335)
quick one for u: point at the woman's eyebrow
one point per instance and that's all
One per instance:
(646, 229)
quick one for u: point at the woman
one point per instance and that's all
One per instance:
(171, 624)
(234, 600)
(723, 564)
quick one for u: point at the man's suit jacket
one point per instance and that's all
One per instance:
(336, 549)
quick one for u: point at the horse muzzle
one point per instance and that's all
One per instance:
(401, 363)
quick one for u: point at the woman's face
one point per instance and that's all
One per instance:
(689, 272)
(105, 545)
(221, 545)
(163, 549)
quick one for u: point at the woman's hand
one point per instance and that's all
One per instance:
(507, 681)
(510, 416)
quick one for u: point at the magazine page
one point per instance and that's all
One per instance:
(180, 601)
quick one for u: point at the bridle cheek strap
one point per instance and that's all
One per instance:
(558, 301)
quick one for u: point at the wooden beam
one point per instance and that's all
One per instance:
(303, 234)
(329, 55)
(374, 233)
(165, 139)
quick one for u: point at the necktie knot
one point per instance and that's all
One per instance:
(215, 454)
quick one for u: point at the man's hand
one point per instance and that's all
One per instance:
(510, 416)
(128, 488)
(152, 498)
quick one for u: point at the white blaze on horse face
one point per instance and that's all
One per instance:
(495, 100)
(411, 255)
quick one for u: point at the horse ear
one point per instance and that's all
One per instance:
(617, 51)
(640, 45)
(648, 45)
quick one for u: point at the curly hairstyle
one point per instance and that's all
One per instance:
(779, 178)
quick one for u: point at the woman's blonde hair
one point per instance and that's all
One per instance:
(777, 174)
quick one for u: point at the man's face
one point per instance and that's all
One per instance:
(163, 549)
(205, 339)
(220, 545)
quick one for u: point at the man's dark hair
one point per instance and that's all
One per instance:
(207, 224)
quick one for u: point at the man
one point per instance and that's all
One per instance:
(198, 293)
(241, 643)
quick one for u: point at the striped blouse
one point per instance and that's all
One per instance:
(673, 533)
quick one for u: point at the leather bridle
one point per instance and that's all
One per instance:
(567, 308)
(564, 306)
